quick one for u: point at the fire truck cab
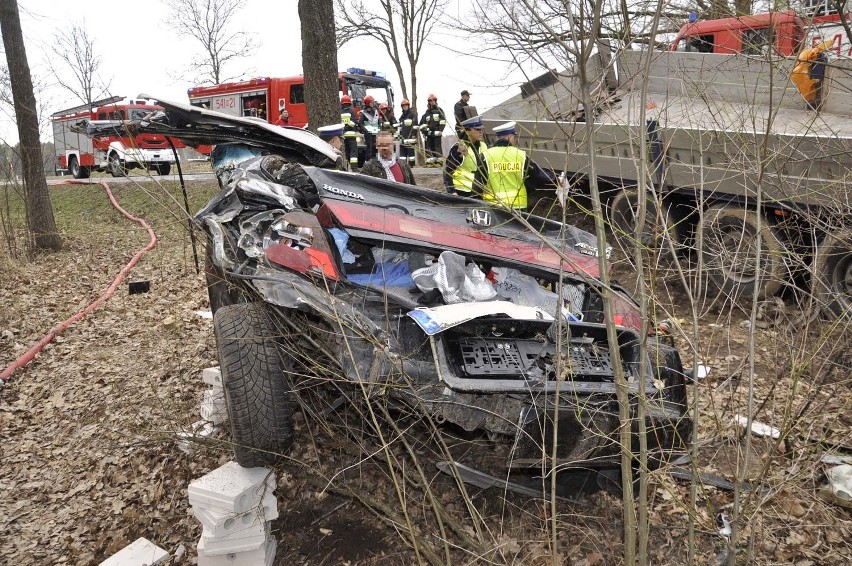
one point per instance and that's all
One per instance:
(266, 97)
(786, 33)
(80, 155)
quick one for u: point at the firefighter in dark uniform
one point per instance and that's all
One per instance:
(466, 169)
(333, 136)
(387, 122)
(511, 172)
(432, 125)
(458, 112)
(369, 123)
(350, 131)
(407, 133)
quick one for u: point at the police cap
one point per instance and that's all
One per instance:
(473, 123)
(328, 132)
(505, 129)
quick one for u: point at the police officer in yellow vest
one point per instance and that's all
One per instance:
(511, 172)
(466, 171)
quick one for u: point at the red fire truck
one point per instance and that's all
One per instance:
(786, 32)
(81, 155)
(265, 97)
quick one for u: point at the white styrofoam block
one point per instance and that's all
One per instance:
(224, 523)
(263, 556)
(195, 432)
(212, 376)
(141, 552)
(213, 406)
(232, 488)
(214, 546)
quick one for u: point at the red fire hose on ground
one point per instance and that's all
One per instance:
(28, 356)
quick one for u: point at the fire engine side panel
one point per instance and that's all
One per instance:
(67, 143)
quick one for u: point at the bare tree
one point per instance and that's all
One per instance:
(39, 212)
(319, 62)
(76, 53)
(402, 26)
(209, 22)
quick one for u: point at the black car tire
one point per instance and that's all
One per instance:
(220, 291)
(163, 168)
(256, 376)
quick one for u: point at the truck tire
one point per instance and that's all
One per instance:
(77, 170)
(256, 376)
(116, 168)
(832, 273)
(163, 168)
(668, 368)
(657, 226)
(729, 248)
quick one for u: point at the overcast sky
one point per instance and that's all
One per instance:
(140, 54)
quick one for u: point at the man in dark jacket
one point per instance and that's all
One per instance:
(432, 125)
(458, 112)
(385, 165)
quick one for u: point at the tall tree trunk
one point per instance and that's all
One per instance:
(39, 212)
(319, 62)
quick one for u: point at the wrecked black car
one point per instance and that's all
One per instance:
(476, 317)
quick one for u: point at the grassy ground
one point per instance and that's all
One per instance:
(90, 463)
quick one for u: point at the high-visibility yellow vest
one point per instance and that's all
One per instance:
(506, 176)
(349, 131)
(465, 173)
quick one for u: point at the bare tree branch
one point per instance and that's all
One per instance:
(401, 26)
(77, 56)
(209, 22)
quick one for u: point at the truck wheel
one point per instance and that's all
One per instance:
(256, 376)
(116, 169)
(77, 171)
(163, 168)
(730, 252)
(657, 226)
(832, 273)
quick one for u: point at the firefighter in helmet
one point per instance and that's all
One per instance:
(370, 125)
(432, 125)
(387, 122)
(350, 131)
(407, 133)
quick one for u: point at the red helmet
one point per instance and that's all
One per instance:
(345, 99)
(383, 106)
(405, 102)
(432, 97)
(368, 99)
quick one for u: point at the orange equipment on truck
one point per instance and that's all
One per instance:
(81, 155)
(786, 32)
